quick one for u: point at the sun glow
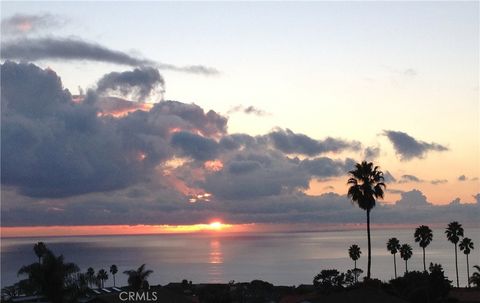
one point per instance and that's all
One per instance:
(216, 225)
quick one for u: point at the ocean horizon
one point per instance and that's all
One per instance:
(281, 258)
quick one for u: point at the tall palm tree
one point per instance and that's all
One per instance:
(354, 252)
(102, 275)
(423, 235)
(113, 271)
(366, 186)
(393, 245)
(454, 231)
(137, 279)
(90, 274)
(466, 245)
(406, 253)
(40, 249)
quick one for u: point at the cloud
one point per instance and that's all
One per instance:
(388, 177)
(438, 181)
(410, 179)
(249, 110)
(138, 84)
(76, 49)
(408, 147)
(370, 153)
(70, 160)
(292, 143)
(22, 24)
(462, 178)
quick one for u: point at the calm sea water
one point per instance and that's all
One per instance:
(280, 258)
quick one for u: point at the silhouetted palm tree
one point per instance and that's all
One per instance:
(466, 245)
(454, 231)
(423, 235)
(354, 252)
(366, 186)
(137, 279)
(102, 276)
(113, 271)
(475, 279)
(90, 274)
(406, 253)
(40, 249)
(393, 245)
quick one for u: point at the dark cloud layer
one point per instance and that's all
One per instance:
(75, 49)
(408, 147)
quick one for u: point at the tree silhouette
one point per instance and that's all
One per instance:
(393, 245)
(40, 249)
(113, 271)
(466, 245)
(406, 253)
(90, 275)
(454, 231)
(366, 186)
(354, 252)
(137, 279)
(423, 235)
(475, 279)
(102, 275)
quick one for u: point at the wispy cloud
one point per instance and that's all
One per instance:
(409, 148)
(23, 24)
(249, 110)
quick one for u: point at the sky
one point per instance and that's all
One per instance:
(183, 113)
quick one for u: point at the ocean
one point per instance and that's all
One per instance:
(280, 258)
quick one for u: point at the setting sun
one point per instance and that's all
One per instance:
(216, 225)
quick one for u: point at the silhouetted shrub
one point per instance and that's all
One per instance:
(328, 280)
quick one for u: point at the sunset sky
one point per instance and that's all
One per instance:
(276, 102)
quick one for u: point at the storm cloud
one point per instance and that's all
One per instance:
(409, 148)
(76, 49)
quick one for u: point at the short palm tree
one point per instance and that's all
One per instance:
(137, 279)
(354, 252)
(102, 275)
(475, 278)
(366, 186)
(406, 253)
(90, 275)
(423, 235)
(40, 249)
(454, 231)
(466, 245)
(113, 271)
(393, 245)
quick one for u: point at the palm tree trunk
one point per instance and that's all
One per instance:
(424, 267)
(468, 273)
(355, 267)
(456, 264)
(113, 280)
(369, 245)
(406, 266)
(395, 265)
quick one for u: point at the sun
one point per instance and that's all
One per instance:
(216, 225)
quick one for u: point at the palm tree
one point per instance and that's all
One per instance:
(366, 186)
(354, 252)
(393, 245)
(454, 231)
(475, 279)
(406, 253)
(90, 274)
(113, 271)
(466, 245)
(137, 279)
(40, 249)
(102, 276)
(423, 235)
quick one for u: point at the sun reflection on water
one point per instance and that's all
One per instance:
(215, 260)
